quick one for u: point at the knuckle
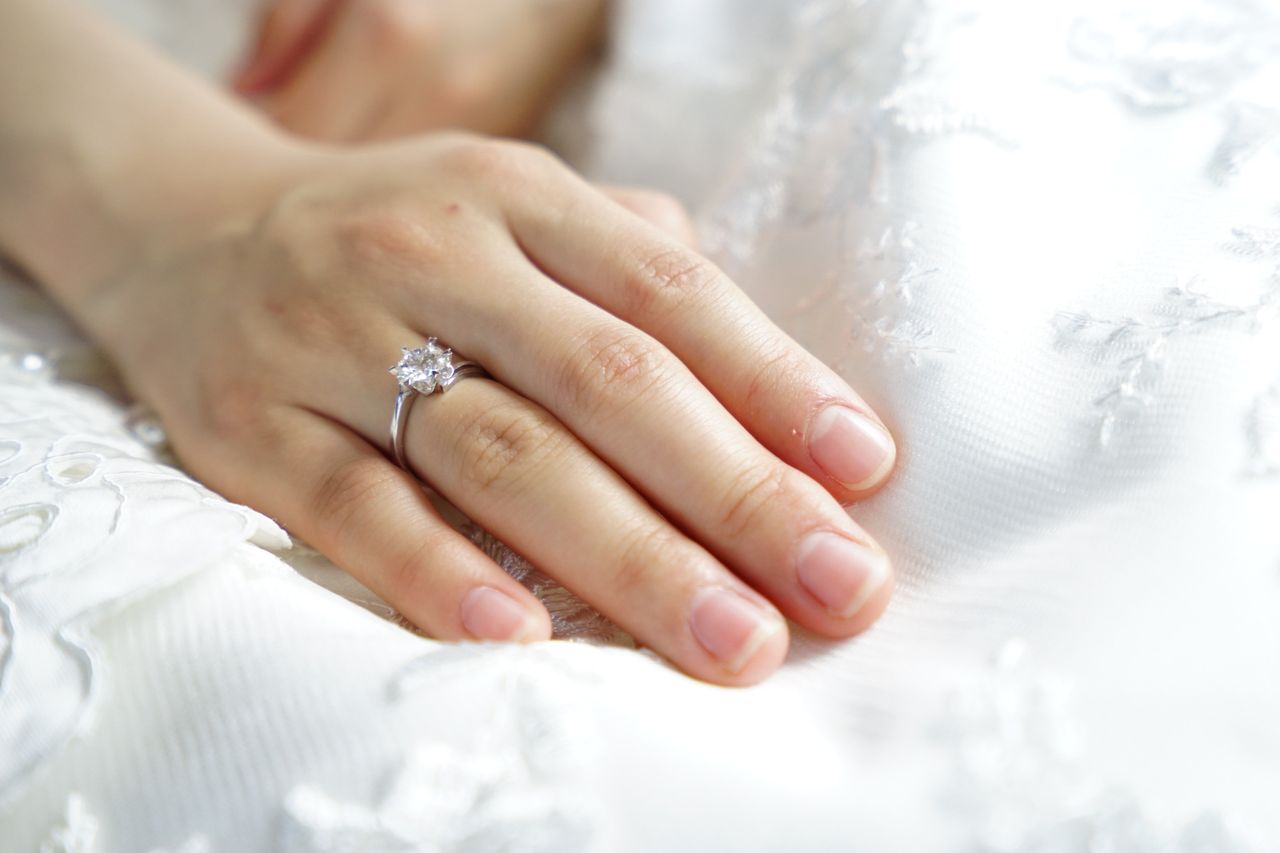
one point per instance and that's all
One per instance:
(753, 493)
(503, 445)
(612, 364)
(305, 234)
(233, 407)
(480, 158)
(407, 571)
(781, 369)
(669, 279)
(351, 486)
(500, 160)
(643, 554)
(387, 235)
(530, 155)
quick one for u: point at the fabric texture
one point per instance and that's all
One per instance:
(1042, 239)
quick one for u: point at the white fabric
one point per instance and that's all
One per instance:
(1042, 238)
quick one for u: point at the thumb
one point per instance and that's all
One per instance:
(287, 31)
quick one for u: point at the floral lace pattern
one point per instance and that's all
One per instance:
(515, 787)
(826, 102)
(1184, 310)
(1262, 429)
(1174, 55)
(846, 201)
(927, 102)
(80, 832)
(70, 472)
(1015, 753)
(1250, 130)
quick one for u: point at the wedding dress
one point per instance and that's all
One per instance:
(1042, 238)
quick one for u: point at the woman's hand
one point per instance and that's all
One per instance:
(649, 437)
(346, 70)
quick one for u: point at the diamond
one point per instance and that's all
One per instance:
(424, 368)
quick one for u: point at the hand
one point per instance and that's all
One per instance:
(648, 438)
(362, 69)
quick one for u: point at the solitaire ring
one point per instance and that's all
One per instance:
(423, 370)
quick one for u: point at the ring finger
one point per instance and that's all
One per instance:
(641, 410)
(512, 467)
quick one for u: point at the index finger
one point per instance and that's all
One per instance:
(793, 403)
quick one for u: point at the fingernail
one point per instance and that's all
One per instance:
(730, 627)
(840, 573)
(491, 614)
(850, 447)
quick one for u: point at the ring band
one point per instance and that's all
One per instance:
(421, 371)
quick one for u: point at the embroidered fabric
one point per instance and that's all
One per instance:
(1041, 239)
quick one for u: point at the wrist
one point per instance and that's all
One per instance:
(154, 252)
(78, 215)
(107, 149)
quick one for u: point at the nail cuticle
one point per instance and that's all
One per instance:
(840, 573)
(850, 446)
(731, 628)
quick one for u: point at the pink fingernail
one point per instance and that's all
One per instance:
(840, 573)
(850, 447)
(491, 614)
(730, 627)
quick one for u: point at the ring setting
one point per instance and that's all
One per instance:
(423, 370)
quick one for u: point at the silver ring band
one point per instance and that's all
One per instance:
(422, 371)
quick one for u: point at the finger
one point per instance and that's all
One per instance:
(490, 73)
(797, 406)
(337, 88)
(640, 410)
(412, 102)
(656, 208)
(287, 31)
(330, 487)
(511, 466)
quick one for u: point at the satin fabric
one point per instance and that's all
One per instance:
(1041, 238)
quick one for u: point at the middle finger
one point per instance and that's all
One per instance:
(642, 411)
(513, 468)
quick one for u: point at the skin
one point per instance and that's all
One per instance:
(647, 434)
(346, 70)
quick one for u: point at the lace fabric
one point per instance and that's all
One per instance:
(1040, 238)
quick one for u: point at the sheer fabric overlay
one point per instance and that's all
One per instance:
(1042, 239)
